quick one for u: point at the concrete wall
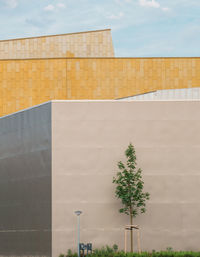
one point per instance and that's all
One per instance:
(44, 182)
(89, 138)
(25, 83)
(25, 183)
(84, 44)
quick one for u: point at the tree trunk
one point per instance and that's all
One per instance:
(131, 231)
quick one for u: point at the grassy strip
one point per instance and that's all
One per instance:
(143, 254)
(113, 252)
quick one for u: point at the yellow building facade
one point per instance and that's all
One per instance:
(83, 44)
(27, 82)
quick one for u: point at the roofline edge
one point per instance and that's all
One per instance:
(55, 35)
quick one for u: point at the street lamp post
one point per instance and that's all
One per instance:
(78, 213)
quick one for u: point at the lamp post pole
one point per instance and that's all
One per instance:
(78, 213)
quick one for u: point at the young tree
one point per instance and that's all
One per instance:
(129, 188)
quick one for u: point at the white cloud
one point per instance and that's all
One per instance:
(52, 7)
(49, 7)
(154, 4)
(165, 9)
(61, 5)
(151, 3)
(11, 3)
(116, 17)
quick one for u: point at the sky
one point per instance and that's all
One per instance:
(140, 28)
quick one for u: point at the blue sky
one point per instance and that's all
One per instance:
(139, 27)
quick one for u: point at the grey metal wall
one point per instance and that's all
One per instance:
(25, 183)
(168, 94)
(89, 138)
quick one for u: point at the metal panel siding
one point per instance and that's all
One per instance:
(25, 178)
(170, 94)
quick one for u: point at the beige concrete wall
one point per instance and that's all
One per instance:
(84, 44)
(89, 138)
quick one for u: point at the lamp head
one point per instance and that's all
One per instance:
(78, 213)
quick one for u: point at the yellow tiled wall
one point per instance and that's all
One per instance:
(24, 83)
(84, 44)
(113, 78)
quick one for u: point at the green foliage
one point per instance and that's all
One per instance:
(112, 252)
(69, 254)
(169, 249)
(129, 185)
(104, 251)
(115, 248)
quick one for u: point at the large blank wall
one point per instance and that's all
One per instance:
(89, 138)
